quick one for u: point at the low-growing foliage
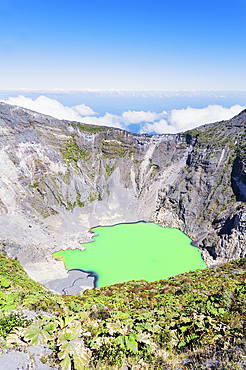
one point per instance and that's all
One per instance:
(10, 321)
(138, 322)
(39, 332)
(72, 347)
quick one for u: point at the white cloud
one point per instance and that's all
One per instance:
(177, 120)
(135, 117)
(159, 127)
(83, 113)
(108, 119)
(83, 110)
(51, 107)
(127, 118)
(79, 113)
(184, 119)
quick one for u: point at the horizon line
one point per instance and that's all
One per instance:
(114, 90)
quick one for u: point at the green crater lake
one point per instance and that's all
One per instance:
(133, 252)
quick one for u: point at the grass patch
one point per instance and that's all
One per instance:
(192, 317)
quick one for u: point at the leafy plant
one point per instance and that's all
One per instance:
(185, 288)
(72, 348)
(40, 332)
(10, 321)
(4, 282)
(136, 322)
(16, 337)
(7, 302)
(129, 342)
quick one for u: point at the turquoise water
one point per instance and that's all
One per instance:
(133, 252)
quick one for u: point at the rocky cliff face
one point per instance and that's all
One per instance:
(207, 200)
(59, 179)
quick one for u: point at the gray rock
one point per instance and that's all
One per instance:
(59, 179)
(211, 364)
(76, 282)
(28, 360)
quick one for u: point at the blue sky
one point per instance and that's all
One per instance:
(153, 45)
(144, 66)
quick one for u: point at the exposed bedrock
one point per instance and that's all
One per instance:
(207, 201)
(60, 178)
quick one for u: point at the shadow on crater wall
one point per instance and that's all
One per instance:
(238, 180)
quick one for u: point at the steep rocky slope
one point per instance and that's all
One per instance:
(60, 178)
(207, 201)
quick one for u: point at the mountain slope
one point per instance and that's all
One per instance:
(60, 178)
(207, 201)
(194, 320)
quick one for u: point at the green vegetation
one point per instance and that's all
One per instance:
(79, 203)
(11, 321)
(35, 185)
(93, 129)
(182, 145)
(42, 208)
(92, 197)
(239, 150)
(90, 128)
(109, 169)
(193, 133)
(71, 206)
(130, 153)
(150, 324)
(212, 137)
(155, 169)
(113, 149)
(17, 290)
(72, 153)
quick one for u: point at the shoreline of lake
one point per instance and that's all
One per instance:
(137, 260)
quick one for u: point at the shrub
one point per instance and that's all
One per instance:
(11, 321)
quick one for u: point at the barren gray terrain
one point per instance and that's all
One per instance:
(59, 179)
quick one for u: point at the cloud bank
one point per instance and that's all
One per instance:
(51, 107)
(177, 120)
